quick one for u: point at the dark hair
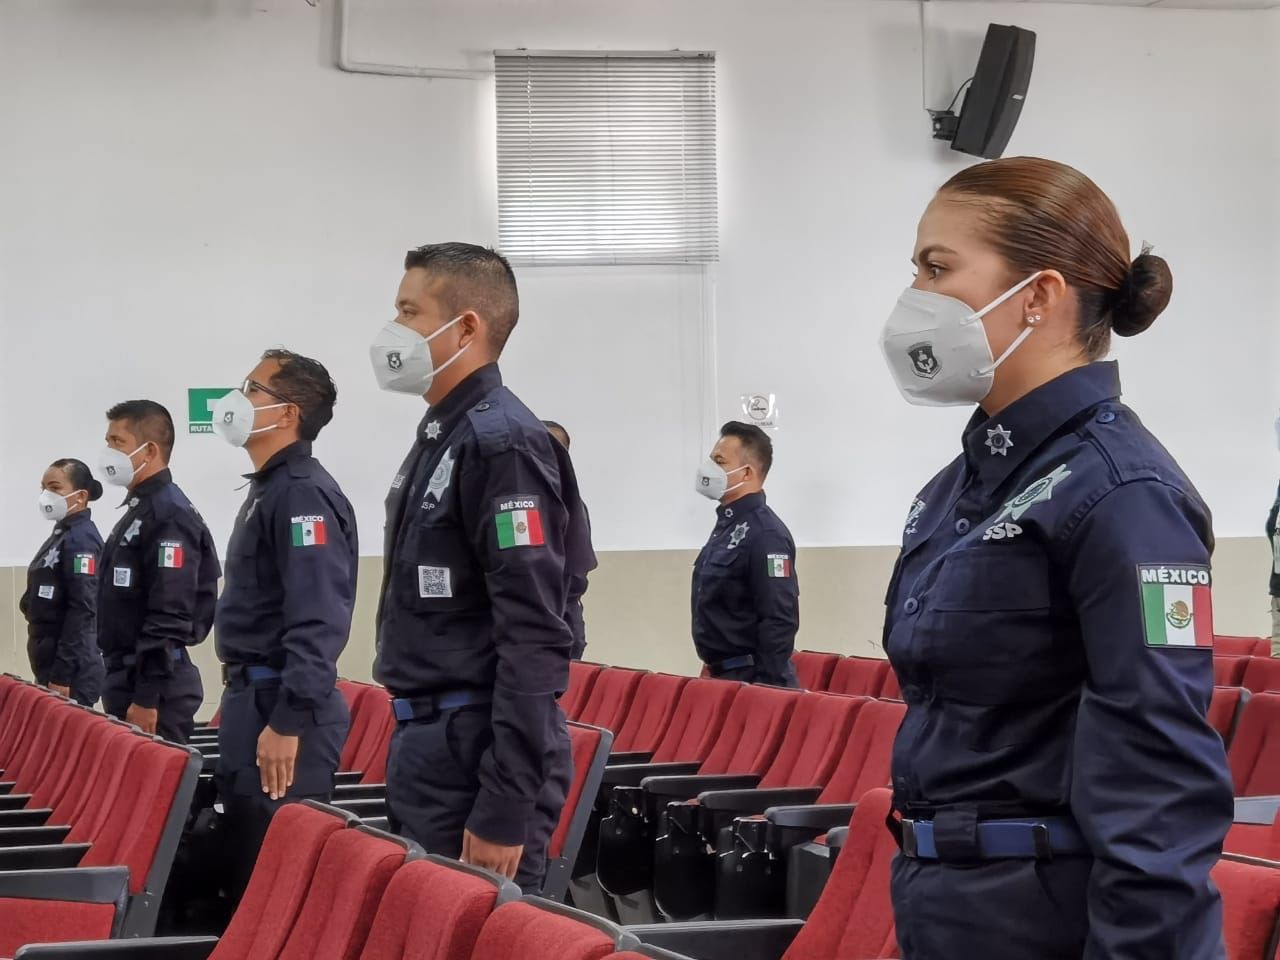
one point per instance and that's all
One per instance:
(1043, 215)
(306, 383)
(80, 476)
(552, 426)
(754, 440)
(149, 421)
(476, 278)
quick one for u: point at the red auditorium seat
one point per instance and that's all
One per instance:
(610, 698)
(753, 858)
(1254, 755)
(1242, 646)
(434, 909)
(371, 723)
(891, 690)
(57, 906)
(852, 921)
(1262, 674)
(1229, 671)
(650, 715)
(813, 669)
(1224, 710)
(859, 676)
(747, 742)
(1256, 830)
(690, 736)
(590, 747)
(582, 677)
(1250, 906)
(684, 864)
(539, 930)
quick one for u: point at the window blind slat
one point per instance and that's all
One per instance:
(607, 158)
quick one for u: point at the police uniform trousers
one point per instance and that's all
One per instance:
(993, 909)
(180, 696)
(748, 675)
(433, 780)
(246, 810)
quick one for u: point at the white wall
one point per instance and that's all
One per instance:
(185, 183)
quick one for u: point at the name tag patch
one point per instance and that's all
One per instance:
(122, 576)
(45, 592)
(434, 583)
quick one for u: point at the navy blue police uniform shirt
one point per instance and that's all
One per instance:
(290, 583)
(1273, 534)
(157, 585)
(746, 597)
(574, 613)
(61, 600)
(1049, 619)
(484, 529)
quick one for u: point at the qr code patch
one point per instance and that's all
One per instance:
(434, 583)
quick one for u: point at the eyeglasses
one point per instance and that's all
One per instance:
(250, 384)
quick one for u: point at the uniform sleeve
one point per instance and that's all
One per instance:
(171, 577)
(1150, 790)
(315, 561)
(517, 527)
(776, 594)
(78, 569)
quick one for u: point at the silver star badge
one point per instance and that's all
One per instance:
(433, 430)
(1038, 492)
(440, 479)
(51, 558)
(135, 528)
(999, 440)
(739, 534)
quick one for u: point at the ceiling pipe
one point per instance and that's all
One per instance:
(348, 65)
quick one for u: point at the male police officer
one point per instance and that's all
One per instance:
(573, 614)
(157, 582)
(746, 600)
(1273, 534)
(285, 612)
(484, 529)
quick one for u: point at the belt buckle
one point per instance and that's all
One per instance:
(909, 847)
(1044, 848)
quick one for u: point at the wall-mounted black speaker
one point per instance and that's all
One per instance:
(994, 101)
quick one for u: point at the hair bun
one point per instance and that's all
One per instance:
(1143, 295)
(95, 490)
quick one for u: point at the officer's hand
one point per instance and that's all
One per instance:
(60, 689)
(276, 755)
(491, 856)
(142, 718)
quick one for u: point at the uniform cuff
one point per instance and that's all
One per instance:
(501, 820)
(146, 696)
(288, 720)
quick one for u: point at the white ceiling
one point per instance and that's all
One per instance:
(1164, 4)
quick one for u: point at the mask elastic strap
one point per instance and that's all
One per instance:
(728, 473)
(269, 406)
(1004, 296)
(436, 333)
(451, 359)
(1017, 342)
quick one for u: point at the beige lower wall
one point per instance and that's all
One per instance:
(638, 606)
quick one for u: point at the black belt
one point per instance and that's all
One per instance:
(1022, 839)
(407, 709)
(245, 673)
(732, 663)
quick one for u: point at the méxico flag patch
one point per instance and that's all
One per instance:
(308, 531)
(518, 522)
(84, 564)
(779, 565)
(170, 555)
(1177, 605)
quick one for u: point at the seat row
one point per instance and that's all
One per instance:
(91, 810)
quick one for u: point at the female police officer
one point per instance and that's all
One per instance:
(1060, 792)
(61, 600)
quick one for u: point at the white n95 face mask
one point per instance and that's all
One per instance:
(117, 466)
(53, 506)
(937, 348)
(233, 418)
(712, 480)
(401, 358)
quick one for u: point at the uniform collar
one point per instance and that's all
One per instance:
(742, 507)
(1024, 425)
(298, 450)
(441, 418)
(149, 486)
(66, 523)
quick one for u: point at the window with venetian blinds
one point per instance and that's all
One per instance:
(607, 158)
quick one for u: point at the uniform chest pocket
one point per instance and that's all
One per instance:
(124, 573)
(993, 579)
(435, 569)
(723, 563)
